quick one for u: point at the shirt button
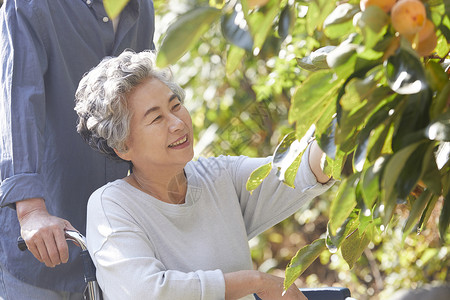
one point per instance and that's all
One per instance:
(88, 2)
(105, 19)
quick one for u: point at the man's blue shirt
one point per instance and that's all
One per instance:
(45, 48)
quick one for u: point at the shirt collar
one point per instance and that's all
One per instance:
(134, 4)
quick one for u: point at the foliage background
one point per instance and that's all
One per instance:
(246, 113)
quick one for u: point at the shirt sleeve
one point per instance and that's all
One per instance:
(126, 263)
(22, 105)
(273, 201)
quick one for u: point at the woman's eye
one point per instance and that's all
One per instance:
(156, 119)
(176, 106)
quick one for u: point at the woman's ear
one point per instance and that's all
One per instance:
(123, 155)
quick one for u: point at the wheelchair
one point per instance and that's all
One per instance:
(93, 291)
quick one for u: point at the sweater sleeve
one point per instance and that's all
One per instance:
(273, 201)
(127, 265)
(22, 109)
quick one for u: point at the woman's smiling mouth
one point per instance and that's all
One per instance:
(179, 142)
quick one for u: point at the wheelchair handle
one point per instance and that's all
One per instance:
(93, 291)
(70, 235)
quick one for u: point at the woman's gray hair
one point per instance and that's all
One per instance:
(101, 98)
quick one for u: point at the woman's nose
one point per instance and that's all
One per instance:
(175, 123)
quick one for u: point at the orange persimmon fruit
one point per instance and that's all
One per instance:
(385, 5)
(408, 16)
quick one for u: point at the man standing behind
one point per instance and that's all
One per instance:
(46, 171)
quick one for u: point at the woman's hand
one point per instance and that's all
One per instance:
(272, 288)
(42, 232)
(267, 287)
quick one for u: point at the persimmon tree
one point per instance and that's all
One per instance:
(374, 92)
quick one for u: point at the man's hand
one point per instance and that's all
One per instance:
(42, 232)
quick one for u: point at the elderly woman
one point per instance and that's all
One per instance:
(176, 228)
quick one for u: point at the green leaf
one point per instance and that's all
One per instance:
(333, 167)
(439, 130)
(312, 18)
(436, 75)
(344, 202)
(414, 119)
(350, 65)
(347, 143)
(260, 23)
(371, 182)
(113, 8)
(427, 214)
(291, 172)
(316, 60)
(443, 46)
(411, 171)
(354, 119)
(234, 32)
(327, 141)
(341, 14)
(219, 4)
(367, 221)
(323, 124)
(416, 212)
(335, 31)
(372, 54)
(405, 72)
(444, 218)
(351, 99)
(369, 84)
(317, 13)
(359, 113)
(359, 88)
(333, 242)
(257, 177)
(287, 21)
(288, 151)
(245, 6)
(439, 103)
(184, 33)
(311, 99)
(354, 245)
(446, 182)
(430, 172)
(359, 157)
(380, 142)
(234, 58)
(443, 155)
(341, 55)
(390, 175)
(379, 117)
(373, 24)
(319, 57)
(447, 7)
(306, 63)
(302, 260)
(339, 22)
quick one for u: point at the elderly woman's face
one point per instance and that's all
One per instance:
(160, 128)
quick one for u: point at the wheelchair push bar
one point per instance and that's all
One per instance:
(93, 290)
